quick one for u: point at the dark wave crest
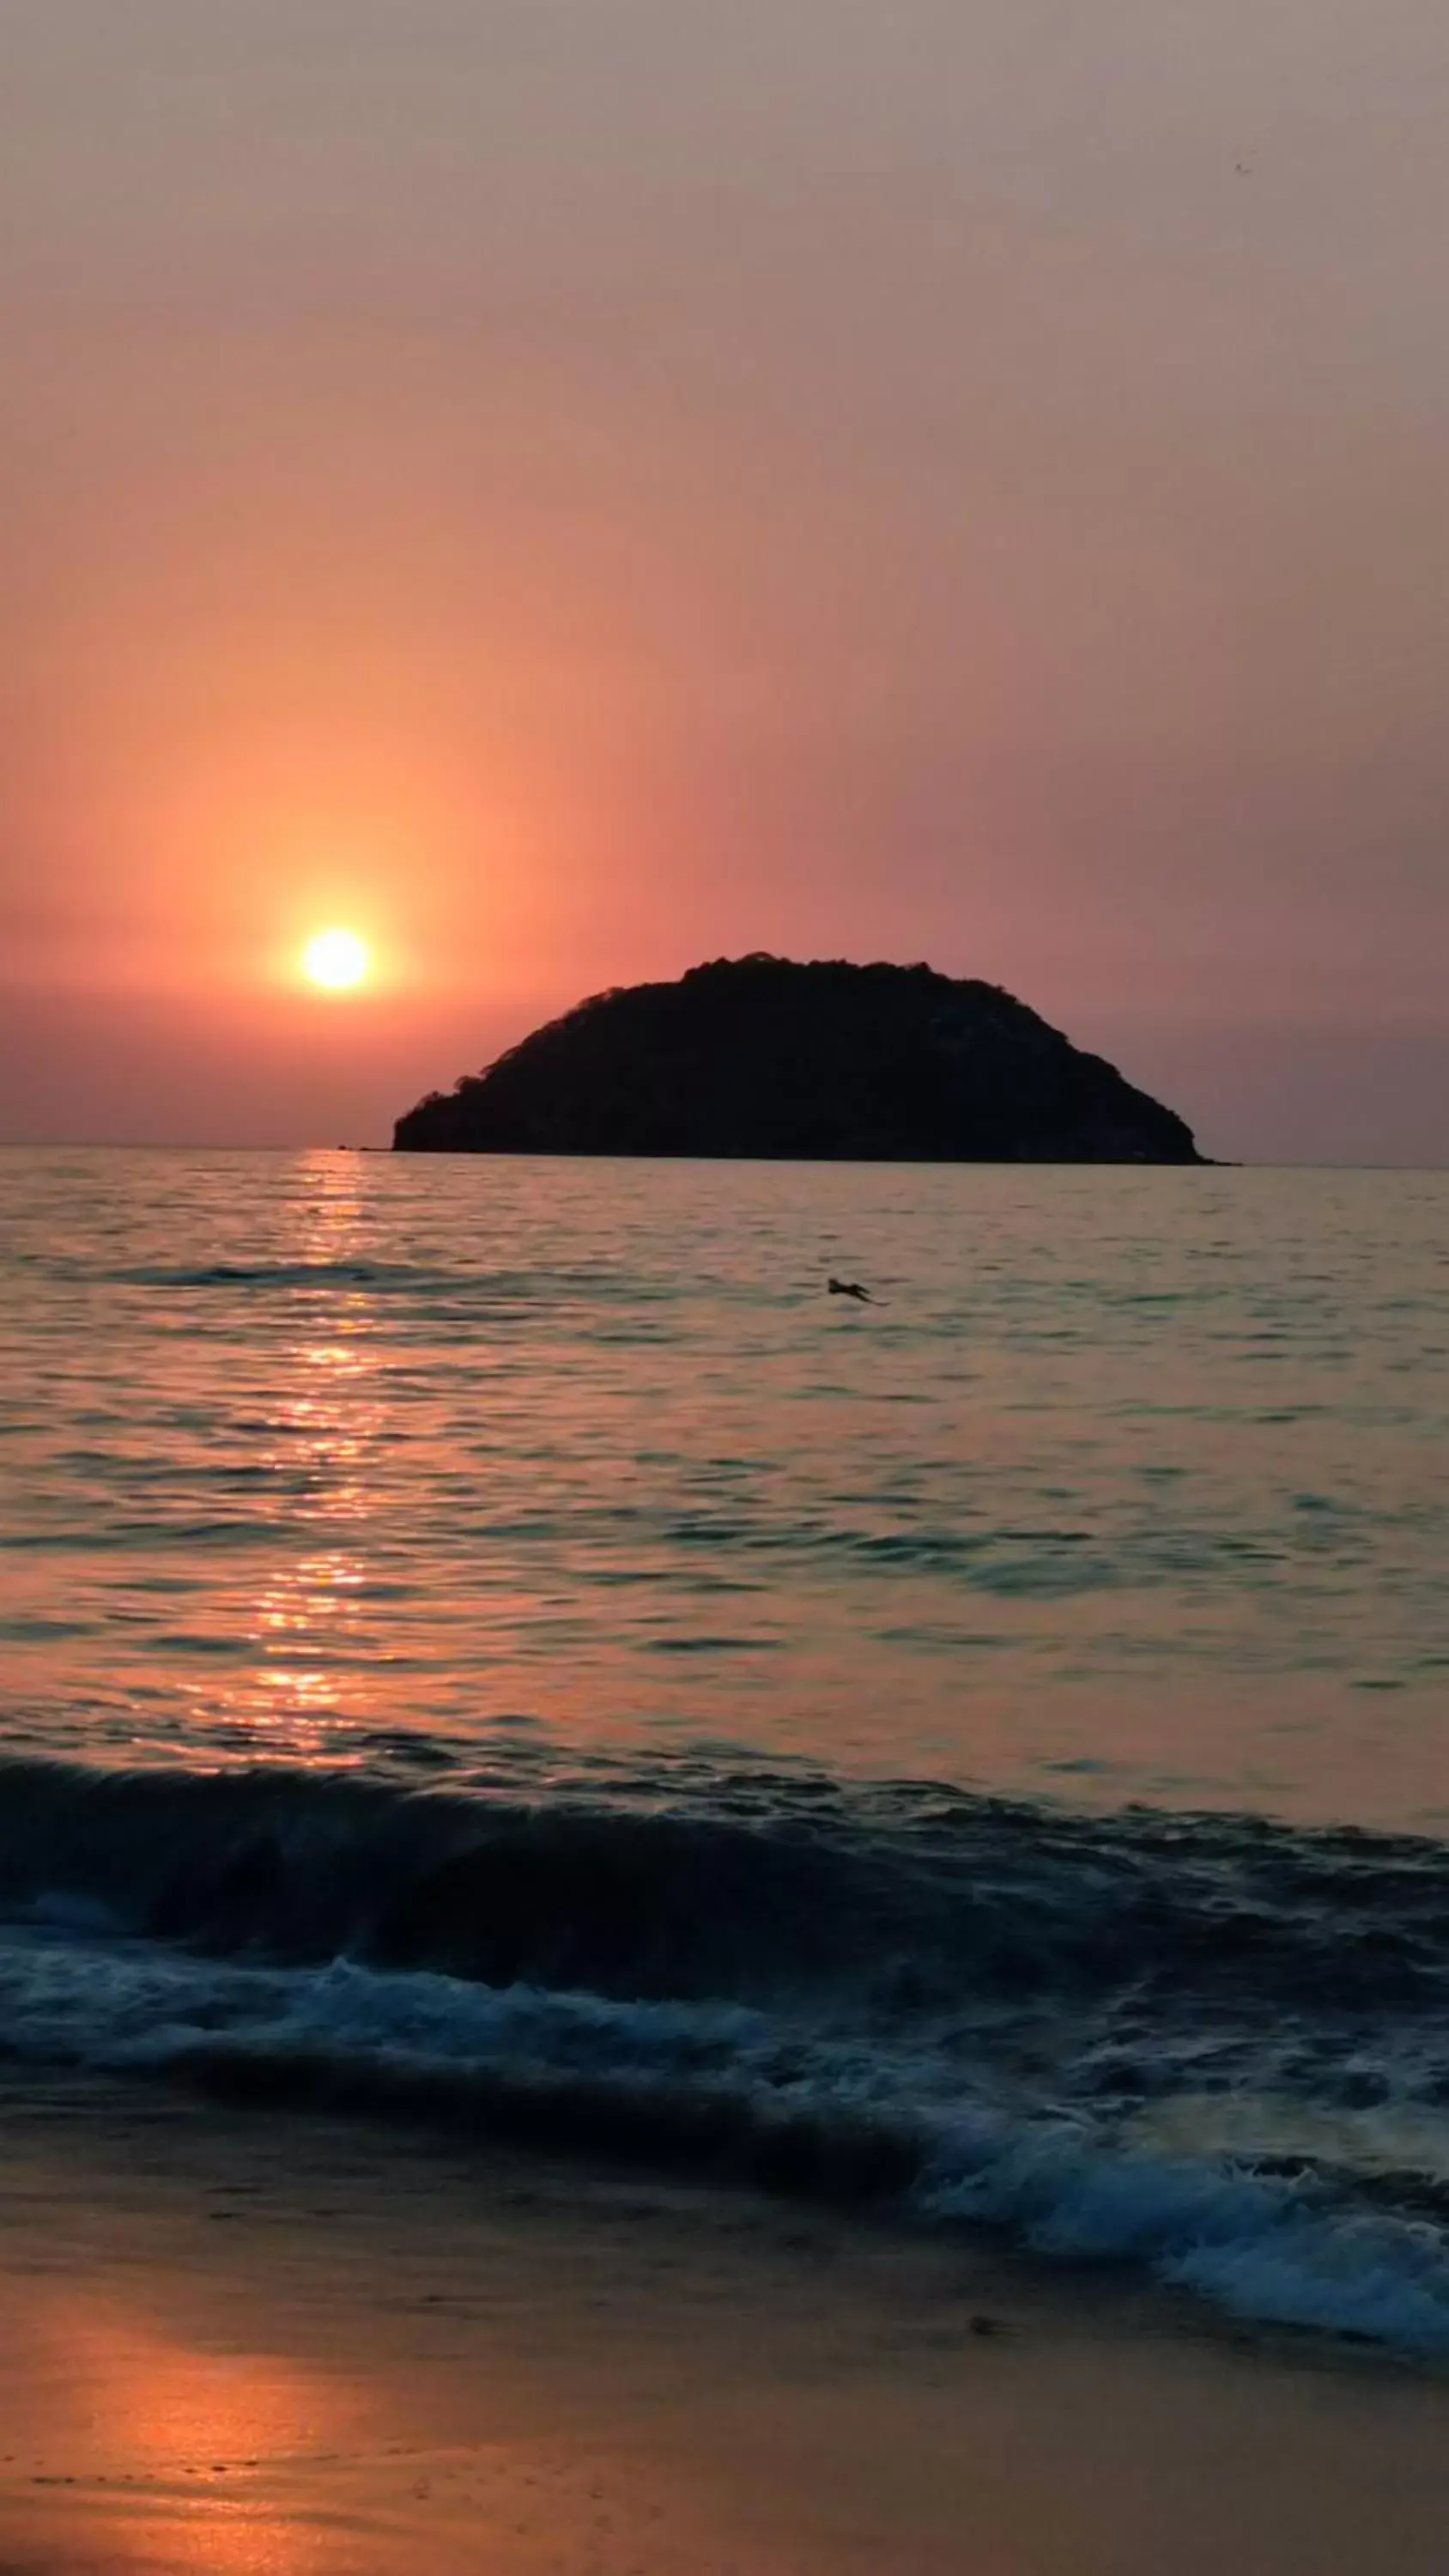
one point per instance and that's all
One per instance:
(751, 1885)
(352, 1273)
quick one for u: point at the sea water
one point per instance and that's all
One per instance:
(498, 1638)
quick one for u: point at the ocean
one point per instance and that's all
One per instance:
(495, 1642)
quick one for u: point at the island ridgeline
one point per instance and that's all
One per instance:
(763, 1058)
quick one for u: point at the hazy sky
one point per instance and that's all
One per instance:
(569, 487)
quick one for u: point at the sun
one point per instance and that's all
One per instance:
(337, 960)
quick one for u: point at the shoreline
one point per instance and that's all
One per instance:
(287, 2342)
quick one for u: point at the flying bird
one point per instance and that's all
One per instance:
(852, 1288)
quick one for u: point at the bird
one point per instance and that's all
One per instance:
(851, 1288)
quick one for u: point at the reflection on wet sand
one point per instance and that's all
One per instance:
(186, 2452)
(405, 2362)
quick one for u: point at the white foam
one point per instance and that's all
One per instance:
(1281, 2247)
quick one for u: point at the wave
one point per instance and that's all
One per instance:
(700, 1878)
(598, 1286)
(1210, 2045)
(352, 1273)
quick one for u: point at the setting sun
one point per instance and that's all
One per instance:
(337, 960)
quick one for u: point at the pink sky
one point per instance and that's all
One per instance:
(571, 488)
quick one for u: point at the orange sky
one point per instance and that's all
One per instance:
(573, 488)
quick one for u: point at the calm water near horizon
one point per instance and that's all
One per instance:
(495, 1638)
(1133, 1488)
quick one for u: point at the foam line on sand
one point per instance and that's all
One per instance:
(294, 2347)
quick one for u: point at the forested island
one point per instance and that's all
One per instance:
(763, 1058)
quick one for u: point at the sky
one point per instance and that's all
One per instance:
(567, 488)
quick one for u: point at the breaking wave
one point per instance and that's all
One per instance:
(1213, 2046)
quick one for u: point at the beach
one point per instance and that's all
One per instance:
(724, 1230)
(648, 1930)
(292, 2344)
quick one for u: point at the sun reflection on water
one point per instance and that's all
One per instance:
(301, 1692)
(331, 1458)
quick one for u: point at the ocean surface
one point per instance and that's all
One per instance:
(495, 1640)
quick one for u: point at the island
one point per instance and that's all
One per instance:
(766, 1059)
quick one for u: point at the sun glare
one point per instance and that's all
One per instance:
(336, 959)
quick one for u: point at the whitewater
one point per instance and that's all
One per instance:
(493, 1643)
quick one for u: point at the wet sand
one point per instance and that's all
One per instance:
(283, 2346)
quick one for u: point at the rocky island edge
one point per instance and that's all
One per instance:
(762, 1058)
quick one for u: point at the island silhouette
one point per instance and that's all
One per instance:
(764, 1058)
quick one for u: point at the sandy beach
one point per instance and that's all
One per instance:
(288, 2346)
(724, 1226)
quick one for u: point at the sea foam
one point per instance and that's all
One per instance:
(1206, 2046)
